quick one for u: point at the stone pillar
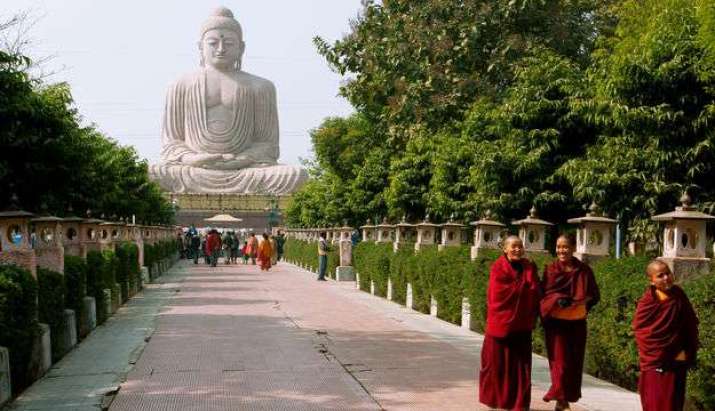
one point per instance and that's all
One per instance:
(409, 300)
(41, 357)
(344, 272)
(426, 234)
(684, 240)
(385, 232)
(48, 243)
(88, 318)
(432, 306)
(487, 235)
(593, 236)
(368, 231)
(451, 234)
(466, 314)
(15, 247)
(404, 234)
(5, 386)
(72, 239)
(68, 339)
(389, 289)
(532, 232)
(89, 235)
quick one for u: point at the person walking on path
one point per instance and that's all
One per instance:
(233, 250)
(252, 247)
(570, 291)
(322, 257)
(280, 243)
(512, 307)
(195, 245)
(213, 246)
(666, 333)
(264, 253)
(274, 250)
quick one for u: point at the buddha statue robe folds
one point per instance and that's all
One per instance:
(220, 126)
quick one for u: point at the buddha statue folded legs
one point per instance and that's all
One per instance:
(220, 126)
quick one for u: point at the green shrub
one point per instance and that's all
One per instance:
(76, 282)
(51, 305)
(100, 275)
(306, 253)
(18, 321)
(128, 272)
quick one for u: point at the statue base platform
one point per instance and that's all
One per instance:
(258, 212)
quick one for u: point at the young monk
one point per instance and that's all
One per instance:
(512, 307)
(666, 331)
(570, 290)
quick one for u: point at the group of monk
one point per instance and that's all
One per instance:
(665, 327)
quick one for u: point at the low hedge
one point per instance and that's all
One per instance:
(51, 305)
(100, 275)
(76, 283)
(128, 272)
(18, 321)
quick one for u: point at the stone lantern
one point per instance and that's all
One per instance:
(89, 235)
(385, 232)
(368, 231)
(684, 239)
(147, 236)
(593, 235)
(72, 236)
(335, 235)
(451, 234)
(48, 247)
(15, 245)
(426, 233)
(344, 272)
(134, 235)
(532, 232)
(487, 234)
(404, 233)
(108, 232)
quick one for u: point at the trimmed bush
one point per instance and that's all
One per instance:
(76, 282)
(51, 305)
(100, 275)
(18, 321)
(128, 272)
(306, 254)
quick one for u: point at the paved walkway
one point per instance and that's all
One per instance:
(233, 338)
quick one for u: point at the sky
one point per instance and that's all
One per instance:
(119, 57)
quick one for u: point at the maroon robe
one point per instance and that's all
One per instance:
(662, 330)
(566, 339)
(512, 307)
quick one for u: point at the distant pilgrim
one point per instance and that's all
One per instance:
(220, 125)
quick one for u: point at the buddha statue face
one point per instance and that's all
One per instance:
(222, 49)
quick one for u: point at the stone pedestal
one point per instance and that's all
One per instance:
(68, 339)
(389, 289)
(466, 314)
(5, 386)
(357, 280)
(409, 302)
(108, 303)
(683, 267)
(116, 298)
(41, 358)
(432, 306)
(372, 287)
(88, 319)
(344, 273)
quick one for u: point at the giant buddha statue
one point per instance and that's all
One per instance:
(220, 125)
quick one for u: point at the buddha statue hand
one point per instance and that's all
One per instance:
(200, 160)
(232, 162)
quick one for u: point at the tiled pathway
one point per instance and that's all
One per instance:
(233, 338)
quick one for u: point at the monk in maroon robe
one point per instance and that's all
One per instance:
(666, 331)
(570, 290)
(512, 307)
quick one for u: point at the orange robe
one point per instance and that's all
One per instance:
(264, 254)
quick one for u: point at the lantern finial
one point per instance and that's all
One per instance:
(686, 201)
(532, 212)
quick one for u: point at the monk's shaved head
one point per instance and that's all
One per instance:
(654, 265)
(511, 239)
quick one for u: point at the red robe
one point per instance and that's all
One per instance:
(566, 339)
(512, 307)
(662, 330)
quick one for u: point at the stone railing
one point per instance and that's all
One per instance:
(29, 242)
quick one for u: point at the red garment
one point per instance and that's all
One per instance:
(662, 330)
(566, 347)
(213, 242)
(505, 374)
(264, 254)
(566, 339)
(512, 298)
(578, 285)
(665, 328)
(663, 391)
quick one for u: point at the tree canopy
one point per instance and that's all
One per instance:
(51, 162)
(464, 107)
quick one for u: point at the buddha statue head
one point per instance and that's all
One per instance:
(221, 43)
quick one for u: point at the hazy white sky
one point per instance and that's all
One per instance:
(120, 56)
